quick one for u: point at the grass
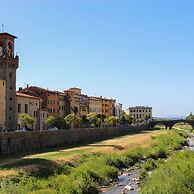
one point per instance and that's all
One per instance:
(84, 175)
(62, 156)
(174, 176)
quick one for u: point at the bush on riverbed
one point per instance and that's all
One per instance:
(174, 176)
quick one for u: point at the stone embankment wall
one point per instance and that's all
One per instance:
(20, 142)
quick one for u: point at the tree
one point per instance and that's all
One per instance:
(50, 121)
(111, 121)
(72, 120)
(26, 120)
(190, 117)
(128, 118)
(93, 119)
(60, 123)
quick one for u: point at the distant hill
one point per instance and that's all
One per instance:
(170, 117)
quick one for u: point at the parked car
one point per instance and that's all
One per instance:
(53, 129)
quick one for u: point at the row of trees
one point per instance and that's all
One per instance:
(92, 119)
(71, 120)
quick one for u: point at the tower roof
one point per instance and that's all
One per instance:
(7, 35)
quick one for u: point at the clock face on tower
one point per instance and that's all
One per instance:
(1, 51)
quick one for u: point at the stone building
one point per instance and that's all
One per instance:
(95, 105)
(8, 66)
(2, 103)
(140, 112)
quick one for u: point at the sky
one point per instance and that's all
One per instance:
(138, 52)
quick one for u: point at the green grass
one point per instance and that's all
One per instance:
(93, 169)
(175, 176)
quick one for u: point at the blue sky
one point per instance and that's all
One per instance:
(138, 52)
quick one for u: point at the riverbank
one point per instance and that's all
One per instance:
(177, 173)
(93, 169)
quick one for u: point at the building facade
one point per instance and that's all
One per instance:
(31, 105)
(73, 101)
(118, 111)
(140, 112)
(43, 117)
(53, 101)
(84, 106)
(62, 104)
(8, 66)
(95, 105)
(107, 107)
(2, 103)
(27, 104)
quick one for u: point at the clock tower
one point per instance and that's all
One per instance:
(8, 66)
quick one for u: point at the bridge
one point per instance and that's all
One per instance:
(170, 123)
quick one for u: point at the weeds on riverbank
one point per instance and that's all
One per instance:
(174, 176)
(94, 169)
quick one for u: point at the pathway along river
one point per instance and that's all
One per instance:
(128, 182)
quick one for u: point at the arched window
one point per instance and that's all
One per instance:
(9, 49)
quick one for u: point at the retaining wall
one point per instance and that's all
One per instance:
(19, 142)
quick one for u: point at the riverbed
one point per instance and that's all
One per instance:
(128, 182)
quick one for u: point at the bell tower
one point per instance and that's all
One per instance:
(8, 66)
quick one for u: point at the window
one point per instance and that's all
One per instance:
(26, 108)
(19, 108)
(10, 75)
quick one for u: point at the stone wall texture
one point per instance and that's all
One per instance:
(20, 142)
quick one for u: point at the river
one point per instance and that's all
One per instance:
(128, 182)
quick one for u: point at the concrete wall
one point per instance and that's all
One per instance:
(18, 142)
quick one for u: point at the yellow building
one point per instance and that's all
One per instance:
(108, 107)
(95, 105)
(30, 105)
(2, 103)
(140, 112)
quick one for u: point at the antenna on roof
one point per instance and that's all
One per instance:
(2, 27)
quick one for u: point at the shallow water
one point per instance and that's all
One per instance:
(129, 177)
(191, 143)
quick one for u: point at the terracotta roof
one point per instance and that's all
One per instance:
(94, 97)
(25, 95)
(140, 107)
(7, 34)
